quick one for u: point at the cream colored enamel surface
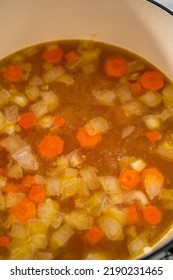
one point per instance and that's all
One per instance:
(136, 25)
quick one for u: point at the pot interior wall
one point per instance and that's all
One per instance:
(138, 26)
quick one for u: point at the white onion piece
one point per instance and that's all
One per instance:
(111, 228)
(134, 107)
(152, 122)
(51, 99)
(130, 197)
(46, 121)
(35, 81)
(69, 186)
(26, 159)
(13, 143)
(127, 131)
(53, 73)
(53, 187)
(17, 230)
(39, 241)
(151, 99)
(32, 93)
(39, 109)
(110, 184)
(61, 236)
(137, 246)
(105, 97)
(15, 171)
(124, 94)
(39, 179)
(20, 99)
(90, 177)
(11, 114)
(79, 220)
(3, 181)
(138, 165)
(97, 125)
(2, 120)
(4, 97)
(75, 159)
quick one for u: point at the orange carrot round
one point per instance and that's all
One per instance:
(11, 187)
(53, 54)
(93, 236)
(24, 210)
(152, 80)
(70, 56)
(13, 73)
(154, 135)
(37, 193)
(59, 121)
(4, 241)
(3, 172)
(129, 178)
(132, 216)
(27, 182)
(116, 66)
(152, 215)
(51, 146)
(87, 141)
(27, 120)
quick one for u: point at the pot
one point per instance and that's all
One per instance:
(141, 27)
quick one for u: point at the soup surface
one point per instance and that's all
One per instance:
(86, 150)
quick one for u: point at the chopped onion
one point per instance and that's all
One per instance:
(70, 172)
(116, 199)
(4, 97)
(138, 165)
(46, 121)
(152, 122)
(3, 181)
(20, 99)
(18, 230)
(61, 236)
(89, 177)
(115, 213)
(13, 143)
(79, 219)
(32, 93)
(52, 74)
(137, 245)
(105, 97)
(11, 114)
(111, 228)
(124, 94)
(134, 107)
(39, 179)
(35, 81)
(2, 120)
(128, 130)
(39, 241)
(94, 204)
(47, 210)
(97, 125)
(26, 159)
(130, 197)
(53, 187)
(153, 186)
(15, 171)
(110, 184)
(151, 99)
(39, 109)
(69, 186)
(75, 159)
(11, 129)
(51, 100)
(66, 79)
(62, 162)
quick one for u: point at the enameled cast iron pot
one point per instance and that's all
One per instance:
(140, 26)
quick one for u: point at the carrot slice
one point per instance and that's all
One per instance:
(11, 187)
(4, 241)
(152, 215)
(152, 80)
(93, 236)
(24, 210)
(37, 193)
(129, 178)
(59, 121)
(13, 73)
(51, 146)
(27, 182)
(27, 120)
(154, 135)
(87, 141)
(151, 175)
(136, 88)
(53, 54)
(70, 56)
(116, 66)
(132, 215)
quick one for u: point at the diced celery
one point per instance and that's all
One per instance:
(90, 177)
(32, 93)
(69, 186)
(15, 171)
(115, 213)
(61, 236)
(79, 219)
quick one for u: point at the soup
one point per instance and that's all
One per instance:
(86, 150)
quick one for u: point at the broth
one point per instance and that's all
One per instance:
(86, 150)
